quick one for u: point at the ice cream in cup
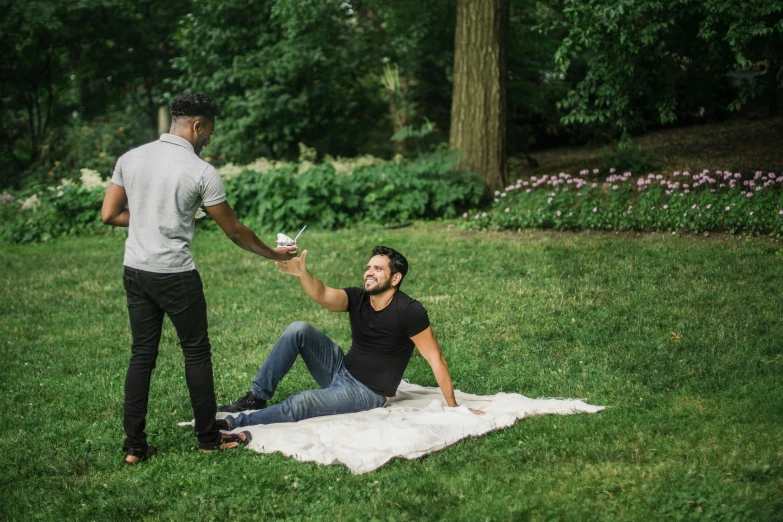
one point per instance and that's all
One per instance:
(285, 241)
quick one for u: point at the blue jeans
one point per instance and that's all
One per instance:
(339, 393)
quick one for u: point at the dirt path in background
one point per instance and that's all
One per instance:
(739, 146)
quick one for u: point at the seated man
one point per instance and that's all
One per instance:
(385, 326)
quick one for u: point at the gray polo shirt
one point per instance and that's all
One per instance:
(165, 182)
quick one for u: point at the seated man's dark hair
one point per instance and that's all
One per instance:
(194, 105)
(397, 261)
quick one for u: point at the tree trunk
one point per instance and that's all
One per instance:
(163, 120)
(478, 106)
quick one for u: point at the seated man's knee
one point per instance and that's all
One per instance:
(298, 328)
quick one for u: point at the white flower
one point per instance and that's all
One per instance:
(91, 179)
(200, 213)
(31, 202)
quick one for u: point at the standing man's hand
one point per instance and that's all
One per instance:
(296, 266)
(285, 253)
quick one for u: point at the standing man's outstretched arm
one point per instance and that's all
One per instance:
(243, 236)
(332, 299)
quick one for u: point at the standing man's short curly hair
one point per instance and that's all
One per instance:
(194, 105)
(397, 262)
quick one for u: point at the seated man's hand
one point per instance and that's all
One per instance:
(477, 412)
(296, 266)
(285, 253)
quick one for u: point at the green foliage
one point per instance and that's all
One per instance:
(85, 62)
(50, 212)
(661, 62)
(330, 195)
(280, 70)
(409, 131)
(651, 203)
(385, 193)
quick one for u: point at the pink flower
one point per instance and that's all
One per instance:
(728, 208)
(665, 207)
(781, 212)
(709, 206)
(465, 215)
(751, 212)
(595, 209)
(693, 206)
(527, 191)
(483, 214)
(507, 210)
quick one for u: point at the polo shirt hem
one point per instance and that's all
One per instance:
(161, 269)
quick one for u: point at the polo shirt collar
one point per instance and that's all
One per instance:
(176, 140)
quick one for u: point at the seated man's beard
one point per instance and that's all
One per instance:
(379, 289)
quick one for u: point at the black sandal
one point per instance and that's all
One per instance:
(225, 440)
(140, 454)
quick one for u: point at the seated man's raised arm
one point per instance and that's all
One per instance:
(333, 299)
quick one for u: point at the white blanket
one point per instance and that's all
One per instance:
(417, 422)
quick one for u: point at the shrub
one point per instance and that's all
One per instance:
(49, 212)
(722, 201)
(384, 193)
(280, 198)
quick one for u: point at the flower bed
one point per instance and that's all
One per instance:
(707, 201)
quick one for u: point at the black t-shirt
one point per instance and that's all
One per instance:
(381, 345)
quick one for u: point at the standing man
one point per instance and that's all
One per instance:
(162, 183)
(386, 324)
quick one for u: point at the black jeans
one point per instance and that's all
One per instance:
(181, 297)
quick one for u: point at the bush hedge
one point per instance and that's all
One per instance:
(283, 197)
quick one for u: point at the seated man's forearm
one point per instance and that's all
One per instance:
(442, 375)
(314, 288)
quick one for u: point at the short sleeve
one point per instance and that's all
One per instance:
(116, 178)
(212, 191)
(354, 295)
(416, 319)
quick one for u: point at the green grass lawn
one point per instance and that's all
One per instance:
(681, 337)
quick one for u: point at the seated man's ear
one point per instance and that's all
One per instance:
(396, 278)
